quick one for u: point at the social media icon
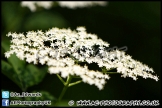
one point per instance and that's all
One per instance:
(5, 102)
(5, 94)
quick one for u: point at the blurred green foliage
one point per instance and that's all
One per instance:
(132, 24)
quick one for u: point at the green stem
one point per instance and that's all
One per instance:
(77, 82)
(65, 88)
(110, 69)
(111, 72)
(60, 79)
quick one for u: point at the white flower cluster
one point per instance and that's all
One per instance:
(81, 4)
(32, 4)
(69, 4)
(61, 48)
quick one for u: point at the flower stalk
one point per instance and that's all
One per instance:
(65, 87)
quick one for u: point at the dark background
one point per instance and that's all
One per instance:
(132, 24)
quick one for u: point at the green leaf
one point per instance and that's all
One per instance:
(17, 64)
(5, 44)
(6, 66)
(32, 75)
(24, 76)
(8, 71)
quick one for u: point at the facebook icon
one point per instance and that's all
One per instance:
(5, 102)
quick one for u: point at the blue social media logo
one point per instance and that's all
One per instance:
(5, 102)
(5, 94)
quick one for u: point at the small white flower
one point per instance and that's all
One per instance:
(53, 70)
(102, 81)
(20, 55)
(7, 54)
(90, 81)
(81, 29)
(81, 58)
(106, 76)
(65, 74)
(156, 78)
(35, 44)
